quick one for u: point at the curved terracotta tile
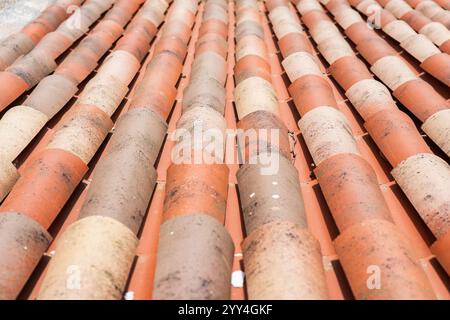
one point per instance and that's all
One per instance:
(248, 28)
(53, 15)
(113, 66)
(327, 133)
(141, 127)
(278, 14)
(294, 42)
(156, 91)
(46, 184)
(396, 135)
(214, 26)
(393, 71)
(398, 8)
(179, 13)
(81, 132)
(16, 86)
(359, 32)
(96, 251)
(323, 31)
(438, 129)
(155, 8)
(18, 127)
(376, 250)
(432, 11)
(199, 251)
(262, 141)
(136, 42)
(107, 29)
(240, 5)
(346, 18)
(51, 95)
(335, 6)
(252, 66)
(204, 92)
(12, 47)
(164, 61)
(119, 15)
(311, 91)
(76, 67)
(33, 67)
(415, 19)
(248, 14)
(335, 48)
(159, 100)
(287, 27)
(172, 44)
(349, 70)
(373, 49)
(300, 64)
(202, 134)
(105, 93)
(425, 178)
(214, 12)
(54, 44)
(436, 32)
(399, 30)
(420, 47)
(251, 45)
(36, 31)
(255, 94)
(272, 4)
(420, 98)
(211, 43)
(142, 25)
(94, 46)
(386, 17)
(438, 65)
(350, 187)
(308, 5)
(196, 188)
(121, 187)
(369, 97)
(22, 243)
(268, 198)
(312, 17)
(209, 65)
(283, 261)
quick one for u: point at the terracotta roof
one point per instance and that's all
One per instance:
(102, 106)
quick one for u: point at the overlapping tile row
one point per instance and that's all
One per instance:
(368, 237)
(419, 45)
(282, 259)
(419, 11)
(22, 42)
(20, 124)
(428, 19)
(32, 67)
(435, 31)
(124, 178)
(195, 251)
(52, 174)
(423, 176)
(418, 96)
